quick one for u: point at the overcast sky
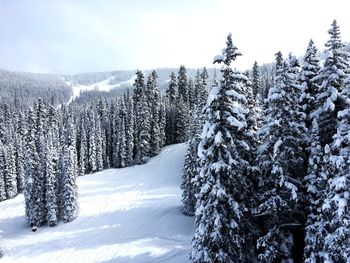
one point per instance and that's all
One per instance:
(72, 36)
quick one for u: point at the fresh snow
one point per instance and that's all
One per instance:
(126, 215)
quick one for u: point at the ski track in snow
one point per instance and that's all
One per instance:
(126, 215)
(101, 86)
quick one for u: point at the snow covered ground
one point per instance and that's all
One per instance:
(126, 215)
(101, 86)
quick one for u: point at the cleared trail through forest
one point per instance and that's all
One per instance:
(126, 215)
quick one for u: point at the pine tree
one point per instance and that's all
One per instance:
(337, 200)
(154, 105)
(7, 125)
(182, 84)
(39, 206)
(191, 95)
(31, 172)
(10, 175)
(129, 131)
(162, 123)
(20, 151)
(191, 163)
(281, 162)
(170, 124)
(82, 150)
(256, 81)
(171, 100)
(253, 119)
(220, 207)
(102, 113)
(69, 202)
(331, 76)
(140, 103)
(50, 182)
(2, 173)
(2, 126)
(172, 91)
(191, 166)
(9, 161)
(99, 145)
(115, 123)
(197, 87)
(143, 122)
(201, 88)
(122, 144)
(182, 121)
(92, 148)
(204, 77)
(309, 71)
(315, 182)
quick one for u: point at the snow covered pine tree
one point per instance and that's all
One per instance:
(281, 161)
(191, 163)
(327, 235)
(220, 222)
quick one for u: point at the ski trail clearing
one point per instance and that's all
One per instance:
(103, 85)
(126, 215)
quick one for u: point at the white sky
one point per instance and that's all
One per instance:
(71, 36)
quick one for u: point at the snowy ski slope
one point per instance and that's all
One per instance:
(101, 86)
(126, 215)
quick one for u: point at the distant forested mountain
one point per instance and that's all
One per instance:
(21, 89)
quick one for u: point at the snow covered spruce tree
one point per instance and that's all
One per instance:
(99, 144)
(50, 182)
(2, 173)
(190, 170)
(309, 82)
(182, 118)
(154, 102)
(92, 148)
(315, 180)
(253, 119)
(7, 138)
(172, 91)
(281, 163)
(337, 199)
(82, 157)
(50, 168)
(31, 172)
(221, 226)
(331, 76)
(68, 190)
(129, 126)
(326, 184)
(171, 95)
(102, 113)
(191, 163)
(114, 123)
(191, 95)
(182, 84)
(256, 82)
(10, 174)
(142, 121)
(20, 151)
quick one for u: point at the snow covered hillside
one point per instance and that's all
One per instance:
(104, 85)
(126, 215)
